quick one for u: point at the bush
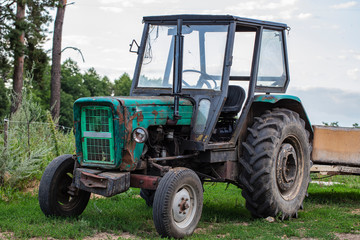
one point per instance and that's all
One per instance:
(31, 145)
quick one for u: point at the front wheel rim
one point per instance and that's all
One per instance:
(184, 206)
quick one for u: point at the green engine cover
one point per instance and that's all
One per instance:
(104, 126)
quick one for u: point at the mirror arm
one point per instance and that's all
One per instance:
(131, 47)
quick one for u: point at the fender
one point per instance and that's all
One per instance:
(265, 102)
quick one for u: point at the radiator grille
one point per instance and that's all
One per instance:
(97, 132)
(97, 120)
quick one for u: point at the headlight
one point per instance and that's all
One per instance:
(140, 135)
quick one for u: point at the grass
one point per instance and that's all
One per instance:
(328, 210)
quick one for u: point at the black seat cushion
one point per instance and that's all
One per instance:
(234, 100)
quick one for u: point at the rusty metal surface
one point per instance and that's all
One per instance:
(144, 181)
(218, 156)
(103, 183)
(173, 157)
(229, 171)
(336, 145)
(335, 170)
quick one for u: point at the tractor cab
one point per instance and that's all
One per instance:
(216, 62)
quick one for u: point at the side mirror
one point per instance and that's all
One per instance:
(132, 47)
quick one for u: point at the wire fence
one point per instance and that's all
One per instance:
(9, 125)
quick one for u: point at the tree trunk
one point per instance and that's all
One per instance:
(18, 80)
(56, 61)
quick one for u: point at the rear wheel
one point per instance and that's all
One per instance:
(178, 203)
(148, 196)
(54, 198)
(276, 164)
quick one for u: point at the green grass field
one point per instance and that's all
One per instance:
(328, 210)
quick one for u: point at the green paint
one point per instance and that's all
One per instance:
(97, 134)
(275, 98)
(126, 114)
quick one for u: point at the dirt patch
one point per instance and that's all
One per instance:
(99, 236)
(356, 211)
(347, 236)
(204, 230)
(6, 235)
(96, 196)
(242, 224)
(32, 187)
(40, 238)
(110, 236)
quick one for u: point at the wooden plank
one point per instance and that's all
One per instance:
(335, 170)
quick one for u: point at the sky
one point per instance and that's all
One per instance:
(323, 43)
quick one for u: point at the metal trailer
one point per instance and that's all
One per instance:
(336, 150)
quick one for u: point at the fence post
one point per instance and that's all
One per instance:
(6, 126)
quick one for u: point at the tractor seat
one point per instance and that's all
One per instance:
(234, 100)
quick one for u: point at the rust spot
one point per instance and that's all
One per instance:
(199, 137)
(119, 114)
(127, 157)
(155, 113)
(128, 162)
(140, 117)
(269, 98)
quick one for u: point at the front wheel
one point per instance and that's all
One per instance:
(276, 164)
(178, 203)
(54, 198)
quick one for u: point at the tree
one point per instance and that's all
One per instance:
(7, 17)
(18, 43)
(96, 85)
(56, 61)
(122, 85)
(23, 24)
(75, 85)
(332, 124)
(4, 103)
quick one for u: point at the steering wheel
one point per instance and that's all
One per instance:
(201, 80)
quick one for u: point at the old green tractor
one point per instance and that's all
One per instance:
(201, 109)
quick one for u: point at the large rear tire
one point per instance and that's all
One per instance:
(54, 198)
(178, 203)
(276, 166)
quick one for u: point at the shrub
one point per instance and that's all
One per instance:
(31, 145)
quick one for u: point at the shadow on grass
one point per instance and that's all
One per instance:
(346, 198)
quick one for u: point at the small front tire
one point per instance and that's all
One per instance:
(54, 198)
(178, 203)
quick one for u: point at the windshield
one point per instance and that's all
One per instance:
(272, 72)
(203, 56)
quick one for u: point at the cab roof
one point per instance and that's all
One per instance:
(212, 19)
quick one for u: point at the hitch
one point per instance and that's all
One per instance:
(103, 183)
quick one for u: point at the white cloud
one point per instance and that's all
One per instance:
(264, 5)
(150, 1)
(266, 10)
(344, 5)
(357, 57)
(110, 1)
(304, 15)
(77, 40)
(112, 9)
(354, 73)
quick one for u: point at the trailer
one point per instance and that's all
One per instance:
(336, 151)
